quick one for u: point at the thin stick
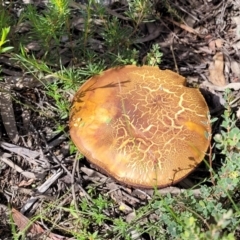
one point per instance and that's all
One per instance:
(174, 58)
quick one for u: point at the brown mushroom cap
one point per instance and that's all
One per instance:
(141, 125)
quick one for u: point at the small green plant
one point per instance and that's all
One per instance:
(4, 40)
(154, 56)
(5, 18)
(140, 11)
(227, 141)
(51, 24)
(127, 57)
(115, 35)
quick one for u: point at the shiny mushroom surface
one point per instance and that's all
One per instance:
(141, 125)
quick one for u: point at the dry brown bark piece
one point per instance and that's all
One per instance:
(7, 113)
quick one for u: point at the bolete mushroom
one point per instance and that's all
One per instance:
(141, 125)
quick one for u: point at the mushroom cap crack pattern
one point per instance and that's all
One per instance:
(141, 125)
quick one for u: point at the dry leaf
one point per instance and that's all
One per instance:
(216, 75)
(184, 26)
(237, 21)
(25, 183)
(235, 86)
(24, 224)
(219, 43)
(212, 46)
(215, 44)
(153, 32)
(235, 67)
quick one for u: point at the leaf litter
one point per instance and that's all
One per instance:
(35, 162)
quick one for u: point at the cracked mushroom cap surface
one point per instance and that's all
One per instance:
(141, 125)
